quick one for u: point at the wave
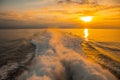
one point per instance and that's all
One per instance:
(59, 56)
(112, 46)
(104, 53)
(14, 55)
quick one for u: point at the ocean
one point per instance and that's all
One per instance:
(60, 54)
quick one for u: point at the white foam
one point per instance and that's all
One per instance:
(57, 62)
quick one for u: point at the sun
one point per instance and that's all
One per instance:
(86, 18)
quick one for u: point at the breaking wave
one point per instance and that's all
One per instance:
(59, 56)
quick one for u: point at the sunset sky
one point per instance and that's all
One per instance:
(59, 13)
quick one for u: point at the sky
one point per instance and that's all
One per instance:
(59, 13)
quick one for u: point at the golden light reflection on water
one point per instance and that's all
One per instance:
(101, 35)
(86, 34)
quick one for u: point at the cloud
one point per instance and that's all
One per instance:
(53, 14)
(73, 1)
(98, 2)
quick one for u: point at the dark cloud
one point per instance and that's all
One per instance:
(73, 1)
(101, 2)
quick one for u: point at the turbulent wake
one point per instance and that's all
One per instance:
(59, 56)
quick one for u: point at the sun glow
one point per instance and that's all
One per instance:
(86, 18)
(86, 34)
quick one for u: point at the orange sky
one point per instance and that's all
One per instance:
(59, 13)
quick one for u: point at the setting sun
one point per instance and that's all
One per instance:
(86, 18)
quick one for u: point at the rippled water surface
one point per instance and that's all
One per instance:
(64, 54)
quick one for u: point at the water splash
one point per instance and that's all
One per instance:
(55, 61)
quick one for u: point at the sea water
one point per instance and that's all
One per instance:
(49, 47)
